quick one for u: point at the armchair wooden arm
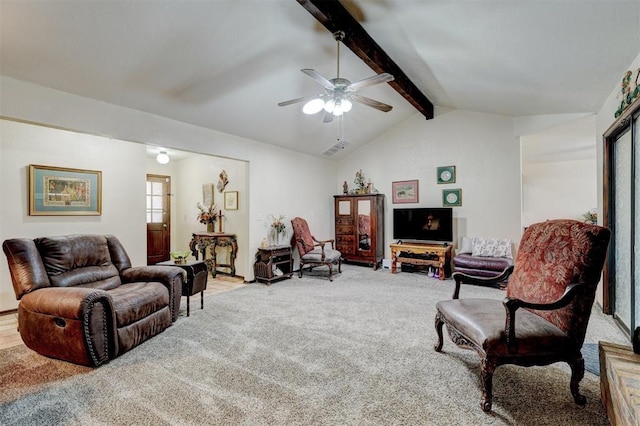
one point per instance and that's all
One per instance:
(511, 305)
(321, 244)
(461, 277)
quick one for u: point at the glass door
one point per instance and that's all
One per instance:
(622, 229)
(621, 208)
(364, 225)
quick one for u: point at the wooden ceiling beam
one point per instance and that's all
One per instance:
(335, 17)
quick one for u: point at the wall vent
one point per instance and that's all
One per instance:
(338, 146)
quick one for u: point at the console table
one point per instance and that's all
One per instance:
(422, 254)
(200, 241)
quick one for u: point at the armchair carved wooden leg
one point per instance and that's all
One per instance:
(577, 373)
(439, 324)
(488, 367)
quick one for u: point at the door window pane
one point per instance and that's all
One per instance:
(155, 202)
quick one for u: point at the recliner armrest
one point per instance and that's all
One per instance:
(75, 324)
(171, 276)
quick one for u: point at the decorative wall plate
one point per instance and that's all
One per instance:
(452, 197)
(447, 174)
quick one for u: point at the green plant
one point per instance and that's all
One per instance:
(591, 216)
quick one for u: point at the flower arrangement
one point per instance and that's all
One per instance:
(278, 229)
(591, 216)
(207, 215)
(277, 224)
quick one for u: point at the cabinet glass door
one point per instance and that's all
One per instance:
(344, 207)
(364, 225)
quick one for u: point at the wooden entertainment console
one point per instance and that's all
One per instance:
(422, 254)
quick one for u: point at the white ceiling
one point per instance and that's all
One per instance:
(225, 64)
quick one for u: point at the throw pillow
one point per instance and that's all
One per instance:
(467, 246)
(491, 247)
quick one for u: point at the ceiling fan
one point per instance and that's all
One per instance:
(339, 92)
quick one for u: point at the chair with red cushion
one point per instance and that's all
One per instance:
(313, 252)
(544, 317)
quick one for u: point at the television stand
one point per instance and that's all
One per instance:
(419, 254)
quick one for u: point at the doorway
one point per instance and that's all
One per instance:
(158, 218)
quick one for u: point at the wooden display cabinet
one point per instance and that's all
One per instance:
(273, 263)
(359, 228)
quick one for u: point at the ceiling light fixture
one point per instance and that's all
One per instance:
(162, 157)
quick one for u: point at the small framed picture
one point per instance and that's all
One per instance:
(452, 197)
(231, 200)
(405, 191)
(207, 194)
(60, 191)
(447, 174)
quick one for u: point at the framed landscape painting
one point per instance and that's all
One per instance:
(58, 191)
(405, 191)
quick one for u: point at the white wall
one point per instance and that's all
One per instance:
(554, 190)
(487, 160)
(279, 181)
(123, 189)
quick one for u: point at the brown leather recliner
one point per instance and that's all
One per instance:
(82, 302)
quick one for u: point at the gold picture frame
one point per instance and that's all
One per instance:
(61, 191)
(231, 200)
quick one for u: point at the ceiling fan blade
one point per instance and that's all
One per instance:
(319, 78)
(370, 102)
(328, 117)
(295, 101)
(376, 79)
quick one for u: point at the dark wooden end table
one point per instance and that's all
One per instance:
(196, 282)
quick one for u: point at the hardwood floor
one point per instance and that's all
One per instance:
(10, 337)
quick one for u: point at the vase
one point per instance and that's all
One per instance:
(211, 227)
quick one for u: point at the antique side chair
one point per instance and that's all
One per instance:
(313, 252)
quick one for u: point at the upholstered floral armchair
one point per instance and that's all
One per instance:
(544, 317)
(313, 252)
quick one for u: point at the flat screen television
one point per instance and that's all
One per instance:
(423, 224)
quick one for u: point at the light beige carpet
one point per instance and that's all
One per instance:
(358, 351)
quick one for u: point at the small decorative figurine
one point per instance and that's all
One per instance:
(345, 188)
(222, 181)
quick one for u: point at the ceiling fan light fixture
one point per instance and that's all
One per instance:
(346, 105)
(313, 106)
(330, 105)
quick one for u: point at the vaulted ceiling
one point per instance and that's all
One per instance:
(225, 64)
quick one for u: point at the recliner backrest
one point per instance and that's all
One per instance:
(552, 255)
(78, 260)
